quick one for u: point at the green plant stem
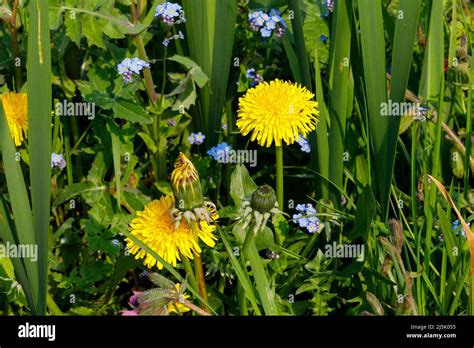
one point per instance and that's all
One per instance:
(67, 149)
(201, 282)
(160, 157)
(243, 308)
(279, 176)
(52, 306)
(199, 272)
(189, 272)
(150, 87)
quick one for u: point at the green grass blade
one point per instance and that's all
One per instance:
(338, 96)
(8, 234)
(267, 295)
(241, 274)
(20, 204)
(39, 113)
(292, 59)
(373, 54)
(322, 141)
(297, 25)
(433, 63)
(210, 26)
(405, 30)
(431, 87)
(467, 167)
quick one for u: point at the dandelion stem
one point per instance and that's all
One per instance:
(199, 270)
(279, 175)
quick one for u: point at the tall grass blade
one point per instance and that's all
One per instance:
(210, 27)
(322, 141)
(241, 274)
(433, 63)
(24, 231)
(373, 54)
(338, 96)
(267, 294)
(297, 25)
(39, 113)
(403, 45)
(8, 235)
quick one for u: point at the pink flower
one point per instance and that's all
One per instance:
(134, 298)
(126, 313)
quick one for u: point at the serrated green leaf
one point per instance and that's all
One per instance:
(129, 111)
(73, 29)
(92, 31)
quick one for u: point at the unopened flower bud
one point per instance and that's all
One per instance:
(186, 184)
(263, 199)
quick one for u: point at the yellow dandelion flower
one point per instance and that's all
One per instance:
(16, 112)
(176, 307)
(277, 111)
(155, 227)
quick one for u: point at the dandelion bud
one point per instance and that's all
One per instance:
(186, 184)
(263, 199)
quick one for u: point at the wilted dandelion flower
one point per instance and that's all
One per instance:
(57, 161)
(130, 66)
(277, 111)
(155, 227)
(16, 113)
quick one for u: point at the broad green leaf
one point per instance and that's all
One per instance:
(241, 184)
(129, 111)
